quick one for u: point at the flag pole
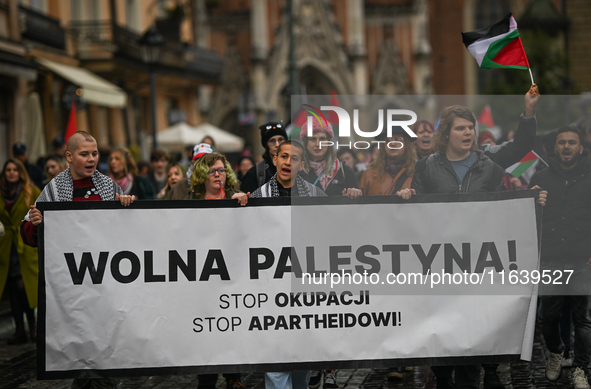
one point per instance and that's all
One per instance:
(545, 163)
(531, 75)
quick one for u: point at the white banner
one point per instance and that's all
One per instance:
(158, 290)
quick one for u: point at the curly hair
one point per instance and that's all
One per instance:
(410, 159)
(201, 168)
(448, 115)
(26, 188)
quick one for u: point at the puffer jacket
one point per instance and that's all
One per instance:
(566, 223)
(435, 174)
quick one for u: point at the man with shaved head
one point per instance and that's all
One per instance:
(80, 182)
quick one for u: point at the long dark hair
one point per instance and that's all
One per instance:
(26, 189)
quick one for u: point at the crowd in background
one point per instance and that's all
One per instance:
(203, 173)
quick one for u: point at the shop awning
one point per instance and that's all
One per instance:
(95, 90)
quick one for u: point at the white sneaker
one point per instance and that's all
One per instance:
(579, 379)
(553, 366)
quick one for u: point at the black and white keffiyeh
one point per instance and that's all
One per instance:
(304, 189)
(61, 188)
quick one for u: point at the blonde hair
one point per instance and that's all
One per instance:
(200, 174)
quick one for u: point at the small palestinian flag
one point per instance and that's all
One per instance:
(516, 170)
(485, 120)
(497, 46)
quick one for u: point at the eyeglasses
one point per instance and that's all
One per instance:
(219, 171)
(276, 140)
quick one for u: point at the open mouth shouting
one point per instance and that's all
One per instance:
(286, 172)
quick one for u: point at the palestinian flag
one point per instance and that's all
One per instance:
(520, 167)
(485, 120)
(497, 46)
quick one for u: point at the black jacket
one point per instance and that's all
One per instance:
(142, 189)
(566, 220)
(344, 179)
(250, 182)
(435, 174)
(512, 151)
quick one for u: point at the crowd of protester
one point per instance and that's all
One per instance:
(451, 157)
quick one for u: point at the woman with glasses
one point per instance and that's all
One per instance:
(214, 179)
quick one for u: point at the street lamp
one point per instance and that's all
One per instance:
(150, 49)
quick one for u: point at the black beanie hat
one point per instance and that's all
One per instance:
(269, 130)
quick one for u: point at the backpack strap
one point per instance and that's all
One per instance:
(261, 168)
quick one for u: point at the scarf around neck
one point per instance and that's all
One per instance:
(323, 178)
(61, 188)
(394, 166)
(302, 189)
(126, 182)
(10, 192)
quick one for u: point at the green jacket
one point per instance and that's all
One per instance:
(27, 255)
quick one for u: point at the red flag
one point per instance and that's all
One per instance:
(485, 120)
(72, 128)
(301, 119)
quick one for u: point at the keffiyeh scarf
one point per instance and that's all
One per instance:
(302, 189)
(324, 179)
(61, 188)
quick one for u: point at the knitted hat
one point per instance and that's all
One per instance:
(201, 149)
(316, 127)
(269, 130)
